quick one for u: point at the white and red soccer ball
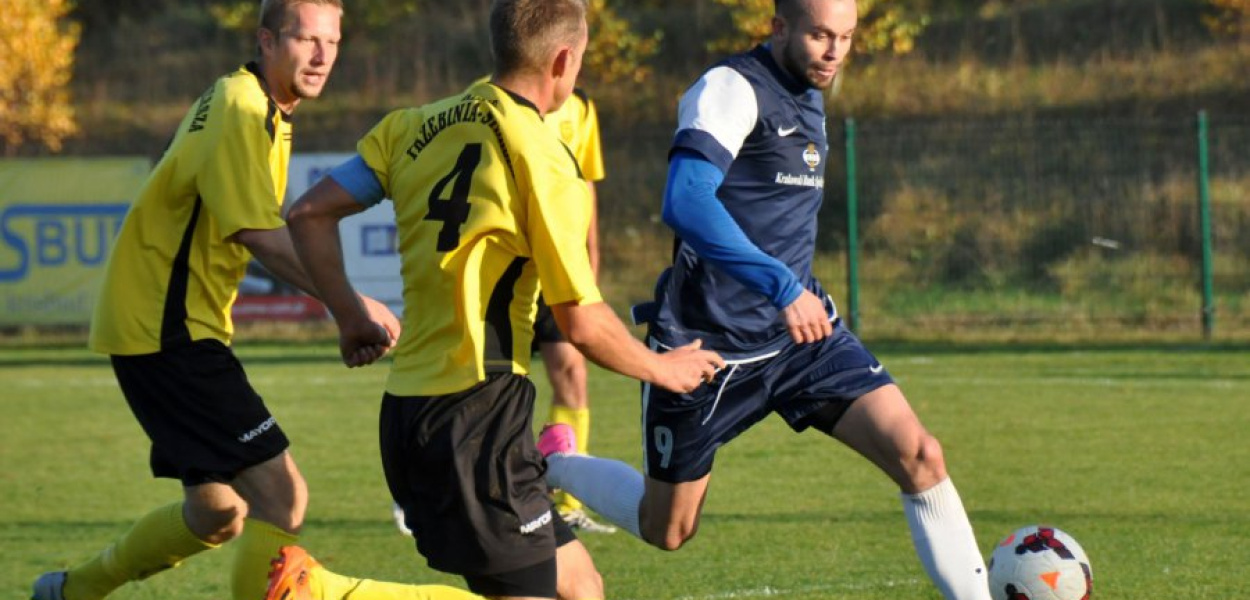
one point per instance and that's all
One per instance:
(1039, 562)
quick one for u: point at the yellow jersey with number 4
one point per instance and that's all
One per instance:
(488, 203)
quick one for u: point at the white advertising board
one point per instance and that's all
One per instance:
(370, 250)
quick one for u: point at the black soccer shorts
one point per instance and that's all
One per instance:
(546, 331)
(205, 421)
(465, 470)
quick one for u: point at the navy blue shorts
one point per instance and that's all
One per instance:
(205, 421)
(682, 432)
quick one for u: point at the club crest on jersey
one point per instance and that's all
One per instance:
(811, 156)
(566, 131)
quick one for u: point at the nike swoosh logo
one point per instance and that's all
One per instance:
(783, 132)
(876, 368)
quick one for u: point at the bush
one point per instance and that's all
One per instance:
(1139, 287)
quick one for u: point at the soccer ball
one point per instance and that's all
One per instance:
(1039, 562)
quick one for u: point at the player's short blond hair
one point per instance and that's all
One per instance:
(275, 14)
(524, 33)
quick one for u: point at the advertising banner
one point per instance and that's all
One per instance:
(58, 218)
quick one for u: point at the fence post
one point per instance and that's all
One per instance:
(852, 231)
(1204, 211)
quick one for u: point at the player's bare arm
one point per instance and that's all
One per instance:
(273, 248)
(597, 332)
(275, 251)
(314, 225)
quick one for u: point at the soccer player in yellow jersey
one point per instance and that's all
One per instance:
(576, 123)
(163, 316)
(489, 206)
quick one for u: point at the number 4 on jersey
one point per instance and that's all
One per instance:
(454, 211)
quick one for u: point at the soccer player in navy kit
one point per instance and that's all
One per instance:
(744, 186)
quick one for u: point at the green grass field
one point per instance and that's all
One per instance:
(1140, 453)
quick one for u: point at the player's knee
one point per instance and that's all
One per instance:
(579, 583)
(567, 373)
(569, 363)
(294, 517)
(673, 537)
(287, 514)
(229, 530)
(277, 494)
(216, 522)
(587, 584)
(676, 539)
(576, 575)
(925, 463)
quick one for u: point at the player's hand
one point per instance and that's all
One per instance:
(807, 320)
(382, 315)
(688, 367)
(363, 342)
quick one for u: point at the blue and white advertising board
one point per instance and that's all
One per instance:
(370, 247)
(58, 219)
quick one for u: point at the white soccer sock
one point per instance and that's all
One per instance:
(609, 487)
(943, 538)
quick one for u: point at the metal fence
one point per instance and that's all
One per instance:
(1003, 228)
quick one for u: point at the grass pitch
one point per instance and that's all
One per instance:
(1140, 453)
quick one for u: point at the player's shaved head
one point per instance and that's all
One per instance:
(790, 9)
(524, 33)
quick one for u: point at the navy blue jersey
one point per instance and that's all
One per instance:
(765, 130)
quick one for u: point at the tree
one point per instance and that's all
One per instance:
(100, 16)
(240, 15)
(884, 26)
(36, 66)
(1232, 18)
(616, 51)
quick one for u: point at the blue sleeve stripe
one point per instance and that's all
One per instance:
(699, 218)
(703, 144)
(359, 180)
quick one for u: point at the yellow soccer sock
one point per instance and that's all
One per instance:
(327, 585)
(332, 586)
(158, 541)
(579, 420)
(255, 548)
(261, 543)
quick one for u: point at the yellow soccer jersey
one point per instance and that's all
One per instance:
(172, 275)
(487, 203)
(576, 123)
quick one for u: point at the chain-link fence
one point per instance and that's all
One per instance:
(1010, 227)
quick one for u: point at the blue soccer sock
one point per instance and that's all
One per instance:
(609, 487)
